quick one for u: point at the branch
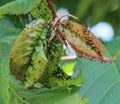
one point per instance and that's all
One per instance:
(50, 4)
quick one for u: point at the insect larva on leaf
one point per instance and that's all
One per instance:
(82, 40)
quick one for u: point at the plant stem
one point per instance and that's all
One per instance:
(68, 58)
(50, 4)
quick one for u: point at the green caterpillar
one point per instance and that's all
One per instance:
(42, 11)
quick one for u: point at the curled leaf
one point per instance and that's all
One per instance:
(27, 58)
(83, 41)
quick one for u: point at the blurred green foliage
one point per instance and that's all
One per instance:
(93, 11)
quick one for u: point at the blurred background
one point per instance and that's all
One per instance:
(102, 17)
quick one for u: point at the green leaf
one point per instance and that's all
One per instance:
(18, 7)
(9, 40)
(1, 99)
(57, 95)
(7, 35)
(101, 80)
(113, 47)
(4, 71)
(8, 32)
(7, 28)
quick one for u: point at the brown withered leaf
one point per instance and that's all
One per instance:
(83, 41)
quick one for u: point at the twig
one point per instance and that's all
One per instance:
(68, 58)
(50, 4)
